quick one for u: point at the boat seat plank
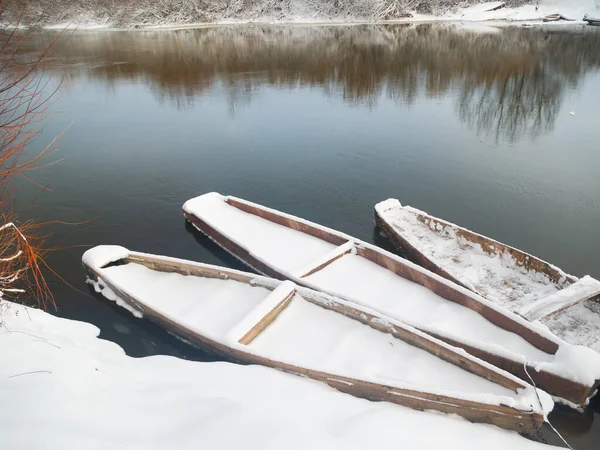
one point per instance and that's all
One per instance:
(330, 257)
(263, 314)
(584, 289)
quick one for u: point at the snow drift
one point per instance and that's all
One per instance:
(62, 387)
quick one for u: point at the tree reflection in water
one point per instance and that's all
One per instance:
(510, 82)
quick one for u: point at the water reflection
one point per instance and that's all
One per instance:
(510, 84)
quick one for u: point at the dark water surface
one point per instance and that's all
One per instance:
(322, 123)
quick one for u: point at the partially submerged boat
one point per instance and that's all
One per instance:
(256, 320)
(287, 247)
(506, 276)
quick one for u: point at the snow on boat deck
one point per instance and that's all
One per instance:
(497, 278)
(206, 305)
(364, 282)
(310, 336)
(281, 246)
(304, 334)
(578, 325)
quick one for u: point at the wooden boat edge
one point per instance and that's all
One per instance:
(525, 422)
(486, 243)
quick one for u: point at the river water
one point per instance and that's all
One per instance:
(496, 130)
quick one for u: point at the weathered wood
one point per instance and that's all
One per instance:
(584, 289)
(525, 422)
(493, 247)
(449, 292)
(279, 304)
(551, 383)
(489, 246)
(281, 219)
(555, 385)
(334, 255)
(234, 249)
(185, 268)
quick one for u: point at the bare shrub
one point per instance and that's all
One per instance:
(23, 105)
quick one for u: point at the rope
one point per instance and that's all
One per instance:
(542, 407)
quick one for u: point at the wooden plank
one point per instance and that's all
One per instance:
(278, 218)
(524, 422)
(335, 254)
(261, 316)
(185, 267)
(234, 249)
(488, 245)
(584, 289)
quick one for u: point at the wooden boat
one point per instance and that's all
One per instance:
(552, 18)
(556, 17)
(287, 247)
(506, 276)
(591, 21)
(256, 320)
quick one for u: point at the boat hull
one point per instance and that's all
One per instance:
(524, 422)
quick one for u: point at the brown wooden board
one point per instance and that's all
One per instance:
(490, 246)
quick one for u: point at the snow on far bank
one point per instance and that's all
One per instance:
(531, 13)
(62, 387)
(571, 9)
(79, 26)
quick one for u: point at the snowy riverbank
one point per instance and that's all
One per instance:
(62, 387)
(300, 12)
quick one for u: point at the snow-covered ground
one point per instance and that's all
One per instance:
(533, 12)
(303, 12)
(61, 387)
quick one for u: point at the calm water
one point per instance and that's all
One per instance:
(495, 131)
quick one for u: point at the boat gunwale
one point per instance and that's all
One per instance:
(527, 422)
(560, 387)
(554, 272)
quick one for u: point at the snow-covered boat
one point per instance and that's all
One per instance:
(506, 276)
(552, 18)
(592, 21)
(256, 320)
(287, 247)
